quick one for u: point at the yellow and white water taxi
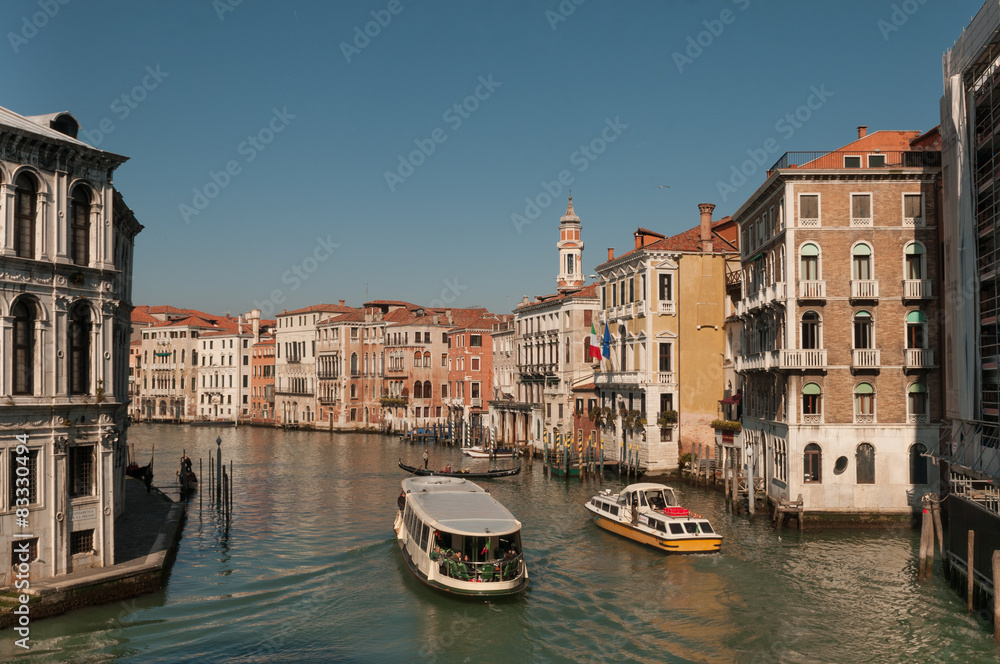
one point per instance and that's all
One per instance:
(649, 513)
(456, 537)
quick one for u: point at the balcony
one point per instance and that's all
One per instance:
(919, 358)
(803, 359)
(912, 418)
(667, 309)
(666, 378)
(865, 358)
(618, 377)
(812, 290)
(864, 418)
(916, 289)
(864, 289)
(477, 403)
(812, 419)
(861, 221)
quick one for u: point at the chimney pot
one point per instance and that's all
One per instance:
(611, 253)
(341, 303)
(706, 210)
(862, 131)
(638, 240)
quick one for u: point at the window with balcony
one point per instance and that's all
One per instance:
(812, 404)
(79, 349)
(918, 464)
(809, 209)
(864, 463)
(665, 358)
(812, 464)
(666, 288)
(861, 209)
(864, 403)
(915, 263)
(809, 262)
(916, 330)
(811, 331)
(861, 263)
(863, 330)
(25, 201)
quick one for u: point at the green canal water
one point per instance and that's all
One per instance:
(308, 571)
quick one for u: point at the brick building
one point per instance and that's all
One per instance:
(839, 345)
(262, 381)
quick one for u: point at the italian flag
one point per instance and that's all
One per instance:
(595, 344)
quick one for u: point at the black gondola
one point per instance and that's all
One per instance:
(501, 472)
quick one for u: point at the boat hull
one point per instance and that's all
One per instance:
(679, 545)
(479, 453)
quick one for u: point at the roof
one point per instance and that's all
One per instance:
(39, 125)
(586, 387)
(328, 308)
(590, 290)
(458, 506)
(690, 241)
(140, 316)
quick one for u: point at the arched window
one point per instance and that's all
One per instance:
(812, 463)
(354, 364)
(809, 267)
(79, 349)
(416, 359)
(418, 390)
(918, 464)
(80, 227)
(24, 347)
(916, 403)
(863, 337)
(864, 461)
(864, 403)
(916, 328)
(427, 358)
(781, 259)
(25, 200)
(354, 391)
(812, 396)
(427, 389)
(861, 265)
(811, 330)
(915, 266)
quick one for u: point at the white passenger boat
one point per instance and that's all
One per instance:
(649, 513)
(456, 537)
(480, 452)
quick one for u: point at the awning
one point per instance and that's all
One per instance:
(735, 399)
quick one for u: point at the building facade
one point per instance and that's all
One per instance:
(262, 381)
(839, 348)
(66, 305)
(664, 304)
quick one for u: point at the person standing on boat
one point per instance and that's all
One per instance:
(426, 458)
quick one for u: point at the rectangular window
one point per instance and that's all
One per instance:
(664, 357)
(475, 364)
(666, 288)
(876, 160)
(852, 161)
(861, 207)
(809, 207)
(631, 289)
(81, 471)
(476, 340)
(24, 467)
(475, 390)
(912, 206)
(82, 541)
(17, 550)
(444, 359)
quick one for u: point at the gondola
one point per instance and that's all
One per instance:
(135, 470)
(500, 472)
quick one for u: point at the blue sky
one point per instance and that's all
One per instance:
(309, 118)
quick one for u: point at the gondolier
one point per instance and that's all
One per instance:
(426, 458)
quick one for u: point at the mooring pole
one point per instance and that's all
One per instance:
(938, 529)
(996, 603)
(218, 475)
(926, 562)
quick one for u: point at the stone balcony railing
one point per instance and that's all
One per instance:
(619, 377)
(812, 419)
(914, 418)
(864, 289)
(916, 289)
(864, 418)
(803, 359)
(667, 308)
(666, 378)
(865, 358)
(812, 290)
(919, 358)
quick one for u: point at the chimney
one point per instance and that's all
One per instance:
(611, 253)
(341, 303)
(255, 317)
(638, 240)
(862, 131)
(706, 226)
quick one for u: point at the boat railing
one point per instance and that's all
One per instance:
(501, 569)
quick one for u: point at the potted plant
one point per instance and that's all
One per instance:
(727, 425)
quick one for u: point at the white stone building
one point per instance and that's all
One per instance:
(65, 305)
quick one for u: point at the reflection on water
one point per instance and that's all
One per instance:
(307, 571)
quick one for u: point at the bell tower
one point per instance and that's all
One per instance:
(570, 251)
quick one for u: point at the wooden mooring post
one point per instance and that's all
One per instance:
(996, 602)
(925, 564)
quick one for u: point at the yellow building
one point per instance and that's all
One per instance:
(664, 305)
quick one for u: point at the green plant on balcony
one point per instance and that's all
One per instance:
(667, 418)
(727, 425)
(393, 401)
(100, 391)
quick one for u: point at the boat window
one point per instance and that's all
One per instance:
(670, 498)
(642, 499)
(606, 507)
(676, 529)
(657, 524)
(424, 532)
(705, 527)
(691, 527)
(614, 510)
(655, 499)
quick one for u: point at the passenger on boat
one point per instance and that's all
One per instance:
(401, 501)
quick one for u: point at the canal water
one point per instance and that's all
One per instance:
(307, 571)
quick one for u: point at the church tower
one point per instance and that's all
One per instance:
(570, 251)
